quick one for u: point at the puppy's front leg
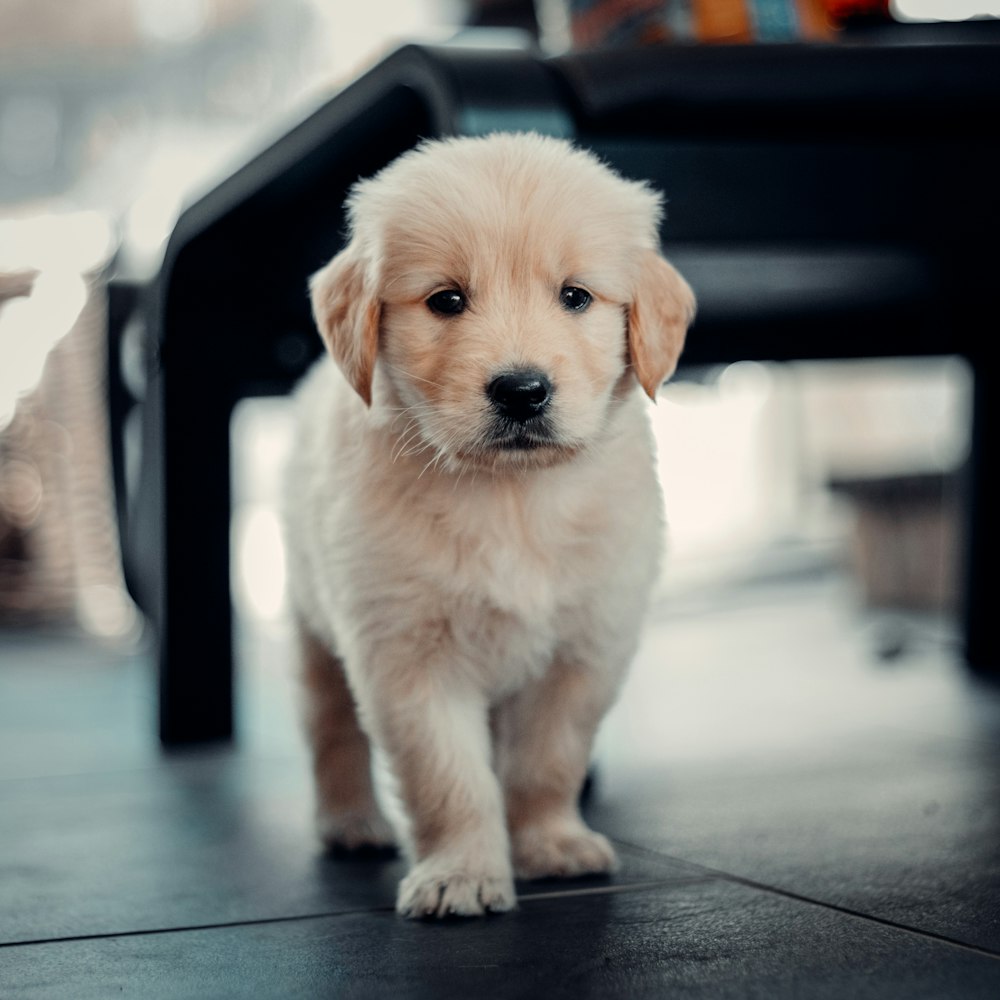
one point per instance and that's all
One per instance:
(434, 729)
(544, 739)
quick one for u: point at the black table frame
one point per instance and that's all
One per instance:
(228, 316)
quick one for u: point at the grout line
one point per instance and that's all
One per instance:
(328, 914)
(149, 931)
(859, 915)
(810, 901)
(616, 889)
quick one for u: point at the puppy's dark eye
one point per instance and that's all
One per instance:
(450, 302)
(575, 299)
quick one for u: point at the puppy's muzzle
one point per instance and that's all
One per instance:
(520, 395)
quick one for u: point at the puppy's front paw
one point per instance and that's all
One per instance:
(435, 888)
(356, 833)
(561, 851)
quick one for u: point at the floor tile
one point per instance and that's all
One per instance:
(776, 746)
(72, 705)
(910, 837)
(707, 939)
(210, 838)
(761, 746)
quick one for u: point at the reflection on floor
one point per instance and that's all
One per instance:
(797, 816)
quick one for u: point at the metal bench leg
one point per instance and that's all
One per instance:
(982, 543)
(195, 627)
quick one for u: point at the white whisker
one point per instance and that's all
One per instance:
(418, 378)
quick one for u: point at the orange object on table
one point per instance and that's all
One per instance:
(597, 23)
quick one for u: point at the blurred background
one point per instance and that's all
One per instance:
(116, 113)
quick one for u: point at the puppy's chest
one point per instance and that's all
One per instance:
(525, 560)
(506, 584)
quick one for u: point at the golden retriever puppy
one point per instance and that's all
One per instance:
(473, 517)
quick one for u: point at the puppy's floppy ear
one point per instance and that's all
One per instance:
(348, 314)
(661, 311)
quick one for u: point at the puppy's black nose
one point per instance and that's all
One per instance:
(520, 395)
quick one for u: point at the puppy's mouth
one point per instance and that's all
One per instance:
(513, 444)
(520, 442)
(511, 435)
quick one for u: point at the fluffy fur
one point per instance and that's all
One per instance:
(469, 589)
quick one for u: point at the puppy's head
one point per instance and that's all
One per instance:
(499, 296)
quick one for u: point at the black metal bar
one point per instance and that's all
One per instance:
(982, 539)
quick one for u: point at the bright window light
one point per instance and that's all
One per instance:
(260, 561)
(944, 10)
(62, 249)
(30, 327)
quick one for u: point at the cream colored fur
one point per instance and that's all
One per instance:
(482, 603)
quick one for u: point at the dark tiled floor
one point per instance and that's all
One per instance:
(796, 818)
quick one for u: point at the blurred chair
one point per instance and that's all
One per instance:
(825, 200)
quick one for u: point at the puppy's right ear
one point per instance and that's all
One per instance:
(348, 314)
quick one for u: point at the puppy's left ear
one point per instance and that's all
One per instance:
(348, 314)
(661, 311)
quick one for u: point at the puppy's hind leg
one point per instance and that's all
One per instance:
(348, 817)
(544, 737)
